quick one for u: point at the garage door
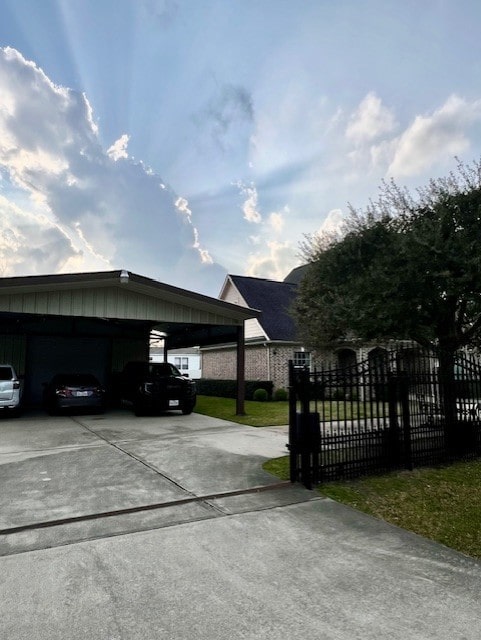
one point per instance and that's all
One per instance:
(48, 355)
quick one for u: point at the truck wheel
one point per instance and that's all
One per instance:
(188, 408)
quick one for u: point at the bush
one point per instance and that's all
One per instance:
(260, 395)
(228, 388)
(280, 395)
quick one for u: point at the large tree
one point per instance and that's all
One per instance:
(406, 267)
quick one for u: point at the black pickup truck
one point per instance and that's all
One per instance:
(156, 386)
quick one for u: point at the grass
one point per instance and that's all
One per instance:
(270, 414)
(257, 414)
(443, 504)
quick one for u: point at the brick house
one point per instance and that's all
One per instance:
(270, 340)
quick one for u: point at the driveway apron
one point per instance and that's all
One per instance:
(71, 478)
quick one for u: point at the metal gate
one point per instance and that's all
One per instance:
(394, 410)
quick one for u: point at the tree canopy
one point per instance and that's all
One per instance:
(406, 267)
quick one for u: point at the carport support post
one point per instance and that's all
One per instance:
(240, 371)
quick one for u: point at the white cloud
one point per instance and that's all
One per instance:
(100, 211)
(119, 149)
(370, 121)
(431, 138)
(250, 204)
(278, 260)
(205, 257)
(276, 221)
(31, 244)
(183, 206)
(332, 223)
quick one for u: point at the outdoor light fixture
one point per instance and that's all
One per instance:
(124, 276)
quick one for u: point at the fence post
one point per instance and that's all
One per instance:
(406, 416)
(293, 443)
(393, 434)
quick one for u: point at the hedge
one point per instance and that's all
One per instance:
(228, 388)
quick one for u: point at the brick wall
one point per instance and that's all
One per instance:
(219, 364)
(261, 363)
(280, 357)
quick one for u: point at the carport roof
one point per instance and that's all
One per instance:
(188, 318)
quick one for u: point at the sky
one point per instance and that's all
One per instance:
(187, 139)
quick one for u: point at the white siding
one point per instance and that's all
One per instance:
(193, 362)
(252, 327)
(109, 302)
(13, 351)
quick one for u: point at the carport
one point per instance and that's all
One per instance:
(98, 321)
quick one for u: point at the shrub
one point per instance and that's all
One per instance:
(228, 388)
(260, 395)
(280, 394)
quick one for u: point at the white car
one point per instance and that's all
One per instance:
(10, 389)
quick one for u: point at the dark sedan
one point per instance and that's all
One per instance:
(72, 392)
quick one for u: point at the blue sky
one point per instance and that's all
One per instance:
(187, 139)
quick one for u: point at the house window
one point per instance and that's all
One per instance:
(181, 363)
(302, 359)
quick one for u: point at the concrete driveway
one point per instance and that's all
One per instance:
(60, 474)
(194, 540)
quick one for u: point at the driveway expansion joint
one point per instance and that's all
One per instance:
(142, 508)
(131, 455)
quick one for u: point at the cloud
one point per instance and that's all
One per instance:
(119, 149)
(250, 204)
(205, 257)
(227, 118)
(332, 223)
(276, 221)
(370, 121)
(32, 244)
(430, 138)
(275, 263)
(182, 205)
(98, 208)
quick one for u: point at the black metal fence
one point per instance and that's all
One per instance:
(394, 410)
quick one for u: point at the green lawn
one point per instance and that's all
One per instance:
(267, 414)
(443, 504)
(258, 414)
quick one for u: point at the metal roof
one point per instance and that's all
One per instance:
(188, 318)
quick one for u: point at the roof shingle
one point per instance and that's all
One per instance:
(274, 299)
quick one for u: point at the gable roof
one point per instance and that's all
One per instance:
(274, 299)
(296, 275)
